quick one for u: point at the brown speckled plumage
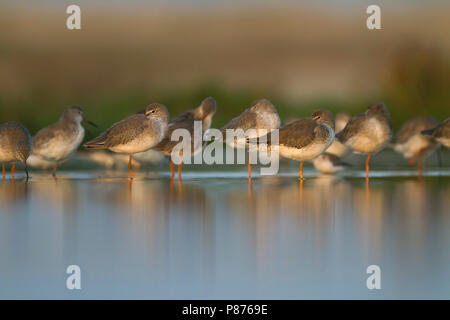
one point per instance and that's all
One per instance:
(15, 143)
(302, 132)
(121, 132)
(412, 127)
(203, 113)
(261, 115)
(368, 132)
(57, 142)
(299, 133)
(138, 133)
(136, 127)
(411, 143)
(329, 163)
(441, 133)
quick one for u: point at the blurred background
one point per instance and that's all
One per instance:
(214, 236)
(301, 55)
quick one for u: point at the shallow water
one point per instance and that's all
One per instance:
(213, 236)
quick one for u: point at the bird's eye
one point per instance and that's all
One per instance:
(153, 111)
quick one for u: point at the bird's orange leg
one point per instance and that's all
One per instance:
(367, 165)
(179, 171)
(54, 170)
(12, 170)
(171, 170)
(419, 166)
(3, 170)
(301, 170)
(249, 166)
(301, 189)
(130, 160)
(413, 160)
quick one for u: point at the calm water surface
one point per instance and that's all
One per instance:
(216, 237)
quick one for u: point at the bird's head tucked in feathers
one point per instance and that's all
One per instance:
(262, 106)
(207, 108)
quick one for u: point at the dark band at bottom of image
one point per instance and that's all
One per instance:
(233, 309)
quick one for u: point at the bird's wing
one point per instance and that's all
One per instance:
(44, 137)
(352, 128)
(298, 133)
(119, 133)
(184, 121)
(412, 127)
(245, 121)
(404, 133)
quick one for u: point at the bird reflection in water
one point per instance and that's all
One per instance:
(213, 233)
(370, 205)
(59, 194)
(13, 192)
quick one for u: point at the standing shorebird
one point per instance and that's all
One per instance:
(57, 142)
(137, 133)
(303, 139)
(368, 132)
(336, 147)
(261, 117)
(441, 133)
(329, 163)
(203, 113)
(411, 143)
(307, 138)
(15, 145)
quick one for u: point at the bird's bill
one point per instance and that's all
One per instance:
(90, 122)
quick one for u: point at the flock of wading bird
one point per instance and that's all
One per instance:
(305, 139)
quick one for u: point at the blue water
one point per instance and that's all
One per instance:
(214, 236)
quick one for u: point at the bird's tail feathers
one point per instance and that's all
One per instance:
(257, 141)
(97, 143)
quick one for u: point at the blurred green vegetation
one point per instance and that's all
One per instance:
(416, 83)
(40, 108)
(300, 58)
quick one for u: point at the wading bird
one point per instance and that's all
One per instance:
(57, 142)
(441, 133)
(15, 145)
(368, 132)
(203, 113)
(261, 118)
(137, 133)
(411, 143)
(303, 139)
